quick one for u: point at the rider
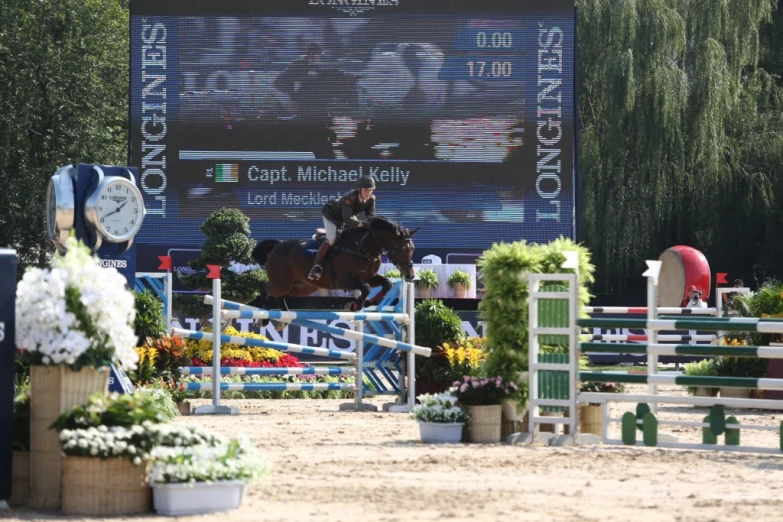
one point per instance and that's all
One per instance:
(343, 211)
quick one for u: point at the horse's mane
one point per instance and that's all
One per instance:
(382, 224)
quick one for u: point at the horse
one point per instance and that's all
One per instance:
(351, 264)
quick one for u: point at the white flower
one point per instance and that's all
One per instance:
(46, 325)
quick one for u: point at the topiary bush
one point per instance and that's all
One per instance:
(436, 324)
(228, 241)
(504, 308)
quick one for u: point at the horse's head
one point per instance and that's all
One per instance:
(398, 242)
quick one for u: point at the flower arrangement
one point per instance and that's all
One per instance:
(602, 387)
(478, 391)
(160, 399)
(202, 350)
(134, 443)
(441, 407)
(465, 356)
(177, 391)
(236, 459)
(77, 313)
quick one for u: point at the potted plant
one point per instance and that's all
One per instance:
(591, 414)
(459, 281)
(484, 397)
(703, 368)
(204, 478)
(180, 395)
(392, 274)
(427, 282)
(73, 321)
(440, 418)
(748, 367)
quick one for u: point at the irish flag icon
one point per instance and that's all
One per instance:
(227, 173)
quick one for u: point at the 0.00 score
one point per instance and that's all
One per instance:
(496, 69)
(496, 40)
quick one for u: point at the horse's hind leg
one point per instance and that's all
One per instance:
(261, 301)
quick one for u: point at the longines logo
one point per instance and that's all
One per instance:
(354, 7)
(118, 199)
(114, 263)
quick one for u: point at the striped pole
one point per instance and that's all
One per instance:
(271, 386)
(685, 380)
(364, 337)
(661, 338)
(642, 310)
(329, 316)
(764, 352)
(307, 370)
(732, 324)
(348, 334)
(259, 343)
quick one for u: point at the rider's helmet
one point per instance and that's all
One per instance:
(366, 182)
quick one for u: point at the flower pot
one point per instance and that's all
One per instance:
(20, 478)
(509, 419)
(424, 292)
(184, 408)
(54, 390)
(105, 487)
(737, 393)
(440, 431)
(197, 497)
(591, 419)
(460, 290)
(485, 423)
(701, 391)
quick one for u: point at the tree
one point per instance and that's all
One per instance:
(676, 121)
(63, 99)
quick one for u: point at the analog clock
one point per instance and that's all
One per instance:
(115, 210)
(60, 206)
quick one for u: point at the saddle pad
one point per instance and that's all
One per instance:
(311, 247)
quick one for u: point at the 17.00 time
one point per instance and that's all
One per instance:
(495, 69)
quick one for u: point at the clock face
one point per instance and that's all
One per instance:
(120, 210)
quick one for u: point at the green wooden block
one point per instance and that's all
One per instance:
(717, 419)
(642, 409)
(780, 433)
(629, 429)
(650, 430)
(732, 434)
(707, 436)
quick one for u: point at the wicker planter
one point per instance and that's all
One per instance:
(485, 423)
(105, 487)
(184, 408)
(54, 390)
(591, 419)
(20, 478)
(705, 392)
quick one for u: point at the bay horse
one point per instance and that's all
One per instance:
(351, 264)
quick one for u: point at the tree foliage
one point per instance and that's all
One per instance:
(63, 99)
(681, 129)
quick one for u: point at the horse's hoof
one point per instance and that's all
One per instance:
(355, 307)
(279, 327)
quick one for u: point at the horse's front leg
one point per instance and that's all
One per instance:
(384, 283)
(352, 282)
(279, 325)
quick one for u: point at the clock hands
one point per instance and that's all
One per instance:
(116, 210)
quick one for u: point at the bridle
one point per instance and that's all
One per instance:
(398, 246)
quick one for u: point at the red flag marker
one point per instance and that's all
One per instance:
(214, 272)
(165, 263)
(721, 278)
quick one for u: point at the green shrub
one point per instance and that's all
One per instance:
(703, 368)
(766, 301)
(150, 321)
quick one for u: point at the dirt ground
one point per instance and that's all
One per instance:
(333, 465)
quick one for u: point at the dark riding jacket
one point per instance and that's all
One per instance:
(343, 210)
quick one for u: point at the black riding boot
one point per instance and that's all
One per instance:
(317, 270)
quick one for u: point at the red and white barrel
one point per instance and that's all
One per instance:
(682, 266)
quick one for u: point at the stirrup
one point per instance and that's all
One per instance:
(315, 273)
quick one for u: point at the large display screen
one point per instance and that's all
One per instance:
(462, 111)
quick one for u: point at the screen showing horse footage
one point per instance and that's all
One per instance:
(462, 111)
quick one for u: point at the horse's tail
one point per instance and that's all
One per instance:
(262, 249)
